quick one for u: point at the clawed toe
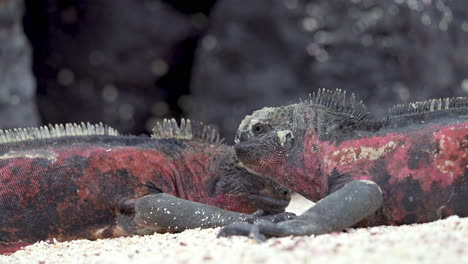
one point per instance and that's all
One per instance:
(242, 229)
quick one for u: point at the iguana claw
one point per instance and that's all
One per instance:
(242, 229)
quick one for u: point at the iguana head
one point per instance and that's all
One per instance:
(266, 139)
(284, 143)
(280, 143)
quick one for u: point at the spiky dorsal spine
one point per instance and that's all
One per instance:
(55, 131)
(337, 102)
(186, 131)
(429, 106)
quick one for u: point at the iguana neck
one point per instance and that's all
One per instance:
(305, 168)
(312, 127)
(318, 119)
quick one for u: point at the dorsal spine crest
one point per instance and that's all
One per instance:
(55, 131)
(170, 129)
(429, 106)
(337, 102)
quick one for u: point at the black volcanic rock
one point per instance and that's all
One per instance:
(17, 85)
(271, 52)
(107, 60)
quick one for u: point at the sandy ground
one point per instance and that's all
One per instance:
(444, 241)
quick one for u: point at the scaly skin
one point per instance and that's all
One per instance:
(412, 166)
(101, 186)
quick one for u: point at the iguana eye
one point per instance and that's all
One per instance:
(260, 128)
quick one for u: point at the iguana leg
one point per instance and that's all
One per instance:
(166, 213)
(339, 210)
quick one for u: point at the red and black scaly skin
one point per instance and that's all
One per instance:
(100, 186)
(417, 157)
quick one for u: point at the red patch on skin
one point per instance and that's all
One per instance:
(299, 173)
(11, 248)
(453, 149)
(233, 203)
(146, 165)
(356, 157)
(316, 187)
(186, 175)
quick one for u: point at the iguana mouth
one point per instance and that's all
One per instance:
(268, 203)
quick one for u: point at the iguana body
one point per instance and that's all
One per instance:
(86, 181)
(411, 167)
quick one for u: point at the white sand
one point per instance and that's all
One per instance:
(444, 241)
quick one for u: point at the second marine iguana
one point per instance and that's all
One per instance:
(87, 181)
(411, 167)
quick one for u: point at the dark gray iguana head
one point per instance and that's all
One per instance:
(266, 137)
(278, 141)
(225, 182)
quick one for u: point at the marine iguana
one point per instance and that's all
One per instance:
(87, 181)
(411, 167)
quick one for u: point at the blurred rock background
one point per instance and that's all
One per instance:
(131, 63)
(17, 84)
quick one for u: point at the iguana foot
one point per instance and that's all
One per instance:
(242, 229)
(335, 212)
(261, 230)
